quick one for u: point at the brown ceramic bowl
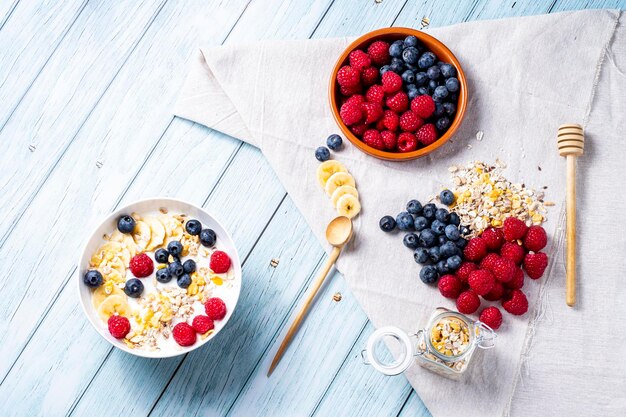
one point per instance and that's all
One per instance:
(389, 35)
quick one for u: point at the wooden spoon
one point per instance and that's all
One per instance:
(571, 144)
(338, 233)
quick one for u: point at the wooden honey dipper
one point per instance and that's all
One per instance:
(571, 144)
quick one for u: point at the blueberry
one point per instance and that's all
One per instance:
(438, 227)
(429, 211)
(446, 197)
(412, 92)
(433, 72)
(420, 223)
(460, 243)
(440, 63)
(175, 248)
(410, 240)
(452, 84)
(439, 110)
(442, 215)
(207, 237)
(322, 154)
(414, 207)
(454, 219)
(442, 123)
(408, 77)
(161, 256)
(426, 60)
(465, 230)
(397, 67)
(395, 50)
(442, 267)
(398, 62)
(404, 221)
(448, 249)
(422, 91)
(93, 278)
(427, 238)
(176, 268)
(432, 84)
(421, 255)
(429, 274)
(126, 224)
(452, 232)
(133, 288)
(440, 93)
(454, 262)
(189, 266)
(434, 254)
(410, 55)
(441, 240)
(163, 275)
(449, 108)
(334, 142)
(410, 41)
(184, 281)
(387, 224)
(193, 227)
(384, 69)
(447, 70)
(421, 78)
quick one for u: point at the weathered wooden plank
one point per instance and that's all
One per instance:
(6, 9)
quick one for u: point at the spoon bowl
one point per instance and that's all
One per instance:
(339, 230)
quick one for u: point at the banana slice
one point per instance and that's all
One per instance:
(113, 304)
(348, 205)
(169, 223)
(326, 169)
(126, 240)
(337, 180)
(113, 270)
(108, 251)
(101, 293)
(141, 235)
(343, 190)
(157, 232)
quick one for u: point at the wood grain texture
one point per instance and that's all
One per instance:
(95, 82)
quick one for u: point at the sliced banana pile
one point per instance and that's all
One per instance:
(340, 187)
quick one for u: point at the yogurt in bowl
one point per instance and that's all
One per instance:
(159, 278)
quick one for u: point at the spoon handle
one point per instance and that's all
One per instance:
(302, 313)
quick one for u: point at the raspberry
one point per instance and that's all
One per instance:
(423, 106)
(379, 52)
(407, 142)
(359, 60)
(202, 324)
(481, 281)
(464, 270)
(369, 76)
(349, 91)
(357, 99)
(389, 140)
(536, 238)
(494, 238)
(391, 120)
(184, 334)
(372, 111)
(515, 303)
(492, 317)
(392, 82)
(141, 265)
(513, 251)
(409, 122)
(450, 286)
(427, 134)
(372, 138)
(468, 302)
(488, 261)
(496, 292)
(351, 113)
(375, 94)
(380, 126)
(535, 264)
(514, 228)
(475, 250)
(398, 102)
(518, 280)
(348, 76)
(503, 269)
(215, 308)
(359, 129)
(119, 326)
(220, 262)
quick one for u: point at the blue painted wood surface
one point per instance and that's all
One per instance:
(86, 91)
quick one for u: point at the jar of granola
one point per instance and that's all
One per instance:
(445, 346)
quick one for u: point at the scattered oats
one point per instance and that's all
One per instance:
(32, 148)
(274, 262)
(425, 22)
(99, 164)
(479, 135)
(163, 210)
(548, 203)
(538, 167)
(469, 146)
(337, 297)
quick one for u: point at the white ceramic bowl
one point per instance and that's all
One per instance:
(224, 242)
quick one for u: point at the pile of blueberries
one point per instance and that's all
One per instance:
(433, 234)
(423, 74)
(333, 142)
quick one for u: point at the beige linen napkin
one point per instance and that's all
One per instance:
(526, 76)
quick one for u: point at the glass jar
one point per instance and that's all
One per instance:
(445, 346)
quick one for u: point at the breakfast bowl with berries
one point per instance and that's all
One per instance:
(159, 278)
(398, 93)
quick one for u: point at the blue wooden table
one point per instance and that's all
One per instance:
(86, 95)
